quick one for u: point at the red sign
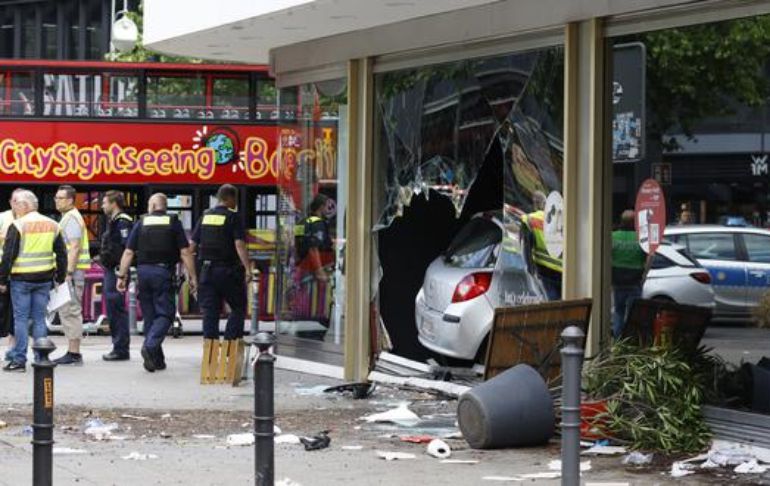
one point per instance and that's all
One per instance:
(137, 153)
(650, 215)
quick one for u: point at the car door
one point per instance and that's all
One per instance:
(757, 266)
(718, 253)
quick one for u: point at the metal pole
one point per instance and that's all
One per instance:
(42, 424)
(132, 302)
(264, 458)
(255, 303)
(571, 365)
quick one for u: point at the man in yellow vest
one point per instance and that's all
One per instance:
(34, 256)
(75, 235)
(549, 269)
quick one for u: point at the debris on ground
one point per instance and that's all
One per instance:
(400, 415)
(138, 456)
(358, 390)
(128, 416)
(3, 424)
(451, 390)
(287, 482)
(287, 439)
(98, 430)
(240, 439)
(469, 462)
(555, 465)
(66, 451)
(397, 366)
(204, 436)
(352, 447)
(417, 439)
(166, 416)
(604, 450)
(750, 467)
(681, 469)
(313, 391)
(741, 458)
(395, 456)
(637, 458)
(439, 449)
(316, 442)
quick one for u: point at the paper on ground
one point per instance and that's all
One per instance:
(240, 439)
(750, 467)
(137, 456)
(394, 456)
(287, 439)
(459, 461)
(680, 469)
(502, 479)
(352, 447)
(400, 415)
(603, 450)
(555, 465)
(61, 451)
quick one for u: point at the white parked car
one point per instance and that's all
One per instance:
(674, 276)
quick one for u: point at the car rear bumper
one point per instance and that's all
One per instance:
(457, 332)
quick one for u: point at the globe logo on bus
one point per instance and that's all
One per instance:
(223, 146)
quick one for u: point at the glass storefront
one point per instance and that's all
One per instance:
(690, 173)
(468, 208)
(311, 211)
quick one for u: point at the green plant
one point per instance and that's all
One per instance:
(762, 311)
(653, 396)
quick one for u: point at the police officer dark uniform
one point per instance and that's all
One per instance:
(312, 240)
(219, 241)
(113, 242)
(158, 241)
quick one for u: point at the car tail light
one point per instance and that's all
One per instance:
(472, 286)
(702, 277)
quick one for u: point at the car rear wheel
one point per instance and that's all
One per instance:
(481, 354)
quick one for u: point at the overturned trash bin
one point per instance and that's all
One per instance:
(513, 409)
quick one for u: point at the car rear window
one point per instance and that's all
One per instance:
(712, 246)
(758, 247)
(475, 245)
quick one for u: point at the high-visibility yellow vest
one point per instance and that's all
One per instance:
(84, 257)
(6, 220)
(37, 235)
(540, 253)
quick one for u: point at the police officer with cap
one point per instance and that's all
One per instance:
(113, 243)
(158, 241)
(219, 240)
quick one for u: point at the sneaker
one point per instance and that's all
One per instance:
(149, 362)
(113, 356)
(11, 366)
(70, 359)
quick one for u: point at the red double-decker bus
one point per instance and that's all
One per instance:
(182, 129)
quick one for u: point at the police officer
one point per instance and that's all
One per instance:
(113, 243)
(312, 240)
(158, 241)
(628, 268)
(219, 240)
(75, 234)
(549, 269)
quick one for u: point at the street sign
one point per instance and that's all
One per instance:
(554, 224)
(628, 102)
(650, 215)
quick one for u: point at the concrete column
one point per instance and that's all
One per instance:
(358, 219)
(587, 174)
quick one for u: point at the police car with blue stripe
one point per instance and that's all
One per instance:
(738, 259)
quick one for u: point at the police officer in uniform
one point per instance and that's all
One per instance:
(219, 241)
(113, 243)
(313, 241)
(549, 269)
(158, 241)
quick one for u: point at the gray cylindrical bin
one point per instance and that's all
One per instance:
(513, 409)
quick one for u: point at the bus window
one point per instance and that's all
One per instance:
(265, 207)
(176, 97)
(182, 206)
(18, 98)
(267, 100)
(67, 94)
(119, 97)
(230, 98)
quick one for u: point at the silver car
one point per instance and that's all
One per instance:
(738, 259)
(674, 276)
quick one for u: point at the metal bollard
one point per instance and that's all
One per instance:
(42, 424)
(255, 303)
(264, 419)
(571, 366)
(132, 303)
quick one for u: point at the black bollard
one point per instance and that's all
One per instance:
(264, 419)
(42, 425)
(571, 368)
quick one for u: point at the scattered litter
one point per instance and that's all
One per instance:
(287, 439)
(352, 447)
(680, 469)
(135, 417)
(608, 484)
(240, 439)
(287, 482)
(317, 442)
(459, 461)
(729, 456)
(503, 478)
(98, 430)
(66, 451)
(276, 430)
(750, 467)
(395, 456)
(166, 416)
(313, 391)
(453, 435)
(541, 475)
(165, 435)
(587, 443)
(204, 436)
(245, 424)
(137, 456)
(417, 439)
(400, 415)
(446, 388)
(439, 449)
(555, 465)
(604, 450)
(637, 459)
(359, 390)
(3, 424)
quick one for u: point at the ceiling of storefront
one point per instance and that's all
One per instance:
(245, 30)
